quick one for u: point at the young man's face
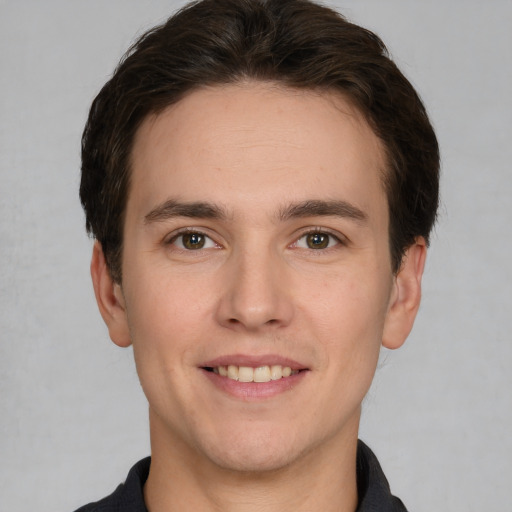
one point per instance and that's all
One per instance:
(256, 236)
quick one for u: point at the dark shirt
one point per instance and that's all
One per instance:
(372, 487)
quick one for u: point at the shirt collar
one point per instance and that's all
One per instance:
(372, 486)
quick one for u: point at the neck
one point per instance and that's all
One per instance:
(180, 478)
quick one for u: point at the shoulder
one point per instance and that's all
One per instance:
(128, 497)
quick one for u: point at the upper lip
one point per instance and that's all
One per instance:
(254, 361)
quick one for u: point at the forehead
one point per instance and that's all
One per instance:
(237, 141)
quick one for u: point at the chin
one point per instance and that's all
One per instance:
(256, 453)
(250, 461)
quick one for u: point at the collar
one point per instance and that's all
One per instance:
(372, 486)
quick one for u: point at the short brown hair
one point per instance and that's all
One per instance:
(296, 43)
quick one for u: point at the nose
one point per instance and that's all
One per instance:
(256, 293)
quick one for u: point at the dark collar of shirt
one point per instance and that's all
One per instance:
(372, 487)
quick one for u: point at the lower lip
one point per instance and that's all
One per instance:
(254, 390)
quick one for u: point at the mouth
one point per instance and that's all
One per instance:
(260, 374)
(254, 377)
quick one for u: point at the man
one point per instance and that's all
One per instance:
(261, 181)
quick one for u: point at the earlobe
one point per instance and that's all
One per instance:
(406, 296)
(109, 297)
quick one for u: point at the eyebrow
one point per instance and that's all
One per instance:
(204, 210)
(320, 208)
(173, 208)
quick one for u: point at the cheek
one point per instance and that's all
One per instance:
(347, 315)
(166, 322)
(161, 299)
(348, 303)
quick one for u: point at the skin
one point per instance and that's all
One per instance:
(257, 289)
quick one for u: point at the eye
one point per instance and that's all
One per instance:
(192, 241)
(317, 240)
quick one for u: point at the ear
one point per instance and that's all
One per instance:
(109, 297)
(406, 296)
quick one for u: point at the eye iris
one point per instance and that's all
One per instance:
(317, 240)
(193, 241)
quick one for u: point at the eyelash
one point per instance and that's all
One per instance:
(315, 231)
(321, 231)
(189, 231)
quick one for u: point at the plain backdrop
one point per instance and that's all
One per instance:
(73, 417)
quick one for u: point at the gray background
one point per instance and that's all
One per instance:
(73, 417)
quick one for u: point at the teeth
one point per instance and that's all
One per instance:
(245, 374)
(260, 374)
(276, 372)
(233, 372)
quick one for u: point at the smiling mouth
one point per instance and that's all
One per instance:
(250, 374)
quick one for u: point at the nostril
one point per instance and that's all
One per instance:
(235, 321)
